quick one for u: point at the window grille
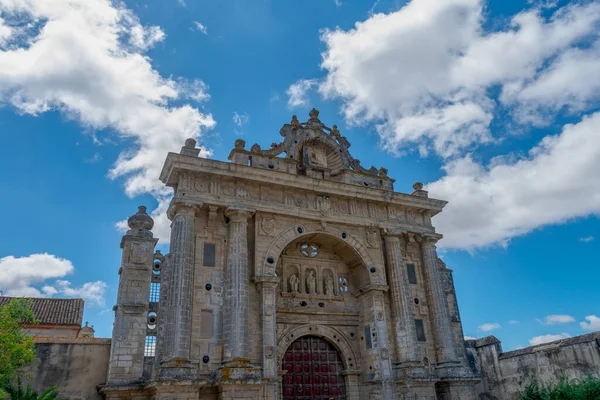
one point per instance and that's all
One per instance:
(154, 292)
(150, 347)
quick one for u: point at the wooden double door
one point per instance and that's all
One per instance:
(314, 371)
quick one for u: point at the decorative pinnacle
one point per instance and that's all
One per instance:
(190, 142)
(140, 223)
(418, 186)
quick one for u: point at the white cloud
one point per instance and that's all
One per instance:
(337, 3)
(298, 92)
(593, 323)
(488, 327)
(556, 319)
(555, 182)
(240, 121)
(513, 321)
(200, 27)
(19, 276)
(424, 73)
(587, 239)
(470, 338)
(87, 61)
(547, 338)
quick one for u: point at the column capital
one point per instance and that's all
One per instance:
(182, 206)
(238, 214)
(428, 239)
(266, 281)
(391, 233)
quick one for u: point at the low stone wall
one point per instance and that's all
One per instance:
(75, 366)
(505, 375)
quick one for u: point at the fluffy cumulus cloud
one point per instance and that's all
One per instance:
(431, 76)
(592, 324)
(555, 182)
(556, 319)
(547, 338)
(298, 92)
(86, 59)
(23, 276)
(488, 327)
(424, 72)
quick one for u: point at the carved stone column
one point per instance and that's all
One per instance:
(235, 310)
(438, 307)
(266, 285)
(175, 349)
(402, 317)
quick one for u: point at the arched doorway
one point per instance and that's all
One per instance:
(314, 371)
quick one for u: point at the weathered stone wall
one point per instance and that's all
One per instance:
(505, 375)
(75, 366)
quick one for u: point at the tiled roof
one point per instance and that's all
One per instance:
(54, 311)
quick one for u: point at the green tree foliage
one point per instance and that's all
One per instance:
(585, 389)
(17, 393)
(16, 347)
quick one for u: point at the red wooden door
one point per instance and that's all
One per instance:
(314, 371)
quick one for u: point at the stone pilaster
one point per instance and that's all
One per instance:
(235, 301)
(438, 307)
(175, 349)
(378, 357)
(131, 311)
(266, 285)
(402, 317)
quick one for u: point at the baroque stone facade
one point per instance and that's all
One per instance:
(293, 273)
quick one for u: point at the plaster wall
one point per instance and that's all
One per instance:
(505, 375)
(75, 366)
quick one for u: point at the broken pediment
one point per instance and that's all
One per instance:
(312, 149)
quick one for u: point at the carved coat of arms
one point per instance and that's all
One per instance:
(267, 225)
(323, 204)
(138, 253)
(372, 239)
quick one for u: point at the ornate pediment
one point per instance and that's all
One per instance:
(313, 149)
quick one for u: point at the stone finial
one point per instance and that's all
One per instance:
(314, 120)
(418, 186)
(86, 331)
(383, 172)
(295, 121)
(240, 144)
(189, 148)
(140, 223)
(335, 131)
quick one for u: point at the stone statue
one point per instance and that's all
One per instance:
(294, 281)
(311, 283)
(329, 286)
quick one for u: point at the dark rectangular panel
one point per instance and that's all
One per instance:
(368, 337)
(420, 330)
(209, 255)
(412, 273)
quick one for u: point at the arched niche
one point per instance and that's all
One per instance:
(347, 247)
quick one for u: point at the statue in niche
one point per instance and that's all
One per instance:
(329, 286)
(294, 282)
(311, 283)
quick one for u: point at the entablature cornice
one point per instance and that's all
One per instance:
(177, 164)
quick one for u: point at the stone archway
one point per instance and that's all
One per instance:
(338, 341)
(314, 370)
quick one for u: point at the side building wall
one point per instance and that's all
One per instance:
(74, 366)
(505, 375)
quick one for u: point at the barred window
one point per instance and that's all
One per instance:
(154, 292)
(150, 347)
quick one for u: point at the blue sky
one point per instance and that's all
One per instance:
(493, 105)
